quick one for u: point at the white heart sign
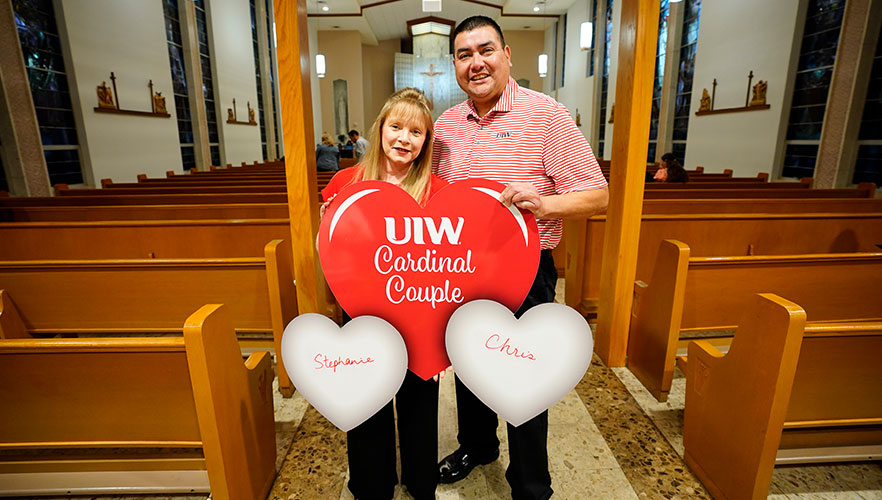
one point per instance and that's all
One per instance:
(348, 374)
(518, 367)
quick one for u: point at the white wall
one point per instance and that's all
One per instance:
(733, 39)
(233, 65)
(578, 93)
(613, 71)
(128, 38)
(314, 88)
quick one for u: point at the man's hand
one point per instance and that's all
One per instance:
(575, 204)
(524, 196)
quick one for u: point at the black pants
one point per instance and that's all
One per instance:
(528, 469)
(371, 445)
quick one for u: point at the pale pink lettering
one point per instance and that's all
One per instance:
(323, 362)
(492, 343)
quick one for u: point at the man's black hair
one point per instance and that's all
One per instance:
(473, 23)
(354, 132)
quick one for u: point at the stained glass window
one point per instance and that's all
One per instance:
(817, 55)
(272, 76)
(44, 63)
(179, 81)
(256, 49)
(658, 79)
(868, 167)
(604, 80)
(682, 104)
(589, 71)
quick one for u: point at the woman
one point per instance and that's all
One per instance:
(400, 152)
(670, 170)
(327, 155)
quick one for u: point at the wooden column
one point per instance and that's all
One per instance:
(292, 51)
(638, 36)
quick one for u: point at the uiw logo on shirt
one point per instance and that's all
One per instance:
(503, 135)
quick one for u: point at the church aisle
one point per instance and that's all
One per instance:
(847, 481)
(600, 445)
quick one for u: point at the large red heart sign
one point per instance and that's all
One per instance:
(384, 255)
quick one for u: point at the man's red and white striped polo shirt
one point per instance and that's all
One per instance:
(526, 137)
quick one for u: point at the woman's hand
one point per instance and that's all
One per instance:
(441, 374)
(324, 206)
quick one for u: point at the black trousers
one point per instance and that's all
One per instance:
(372, 474)
(528, 468)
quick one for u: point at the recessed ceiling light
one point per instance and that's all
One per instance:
(325, 8)
(536, 8)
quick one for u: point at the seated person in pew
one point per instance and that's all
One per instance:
(400, 152)
(327, 156)
(670, 170)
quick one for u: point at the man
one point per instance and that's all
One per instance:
(361, 143)
(528, 142)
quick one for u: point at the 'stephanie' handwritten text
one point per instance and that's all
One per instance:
(323, 362)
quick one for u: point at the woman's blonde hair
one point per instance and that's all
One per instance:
(408, 105)
(326, 140)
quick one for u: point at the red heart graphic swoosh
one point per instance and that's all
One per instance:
(384, 255)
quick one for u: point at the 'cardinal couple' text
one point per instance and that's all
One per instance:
(416, 230)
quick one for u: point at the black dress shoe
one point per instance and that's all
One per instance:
(459, 464)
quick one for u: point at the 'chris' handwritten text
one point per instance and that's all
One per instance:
(493, 343)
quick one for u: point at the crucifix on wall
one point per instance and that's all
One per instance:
(431, 74)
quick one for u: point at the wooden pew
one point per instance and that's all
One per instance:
(145, 212)
(863, 190)
(784, 393)
(149, 415)
(728, 184)
(145, 199)
(699, 294)
(197, 182)
(139, 239)
(121, 297)
(715, 234)
(263, 188)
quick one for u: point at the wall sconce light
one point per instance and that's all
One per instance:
(586, 35)
(543, 65)
(320, 65)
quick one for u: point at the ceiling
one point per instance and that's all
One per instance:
(387, 19)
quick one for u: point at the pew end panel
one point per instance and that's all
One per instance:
(736, 404)
(11, 324)
(283, 301)
(655, 324)
(234, 407)
(574, 265)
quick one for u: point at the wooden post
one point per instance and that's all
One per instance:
(292, 51)
(637, 46)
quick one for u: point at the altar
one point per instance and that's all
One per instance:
(430, 69)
